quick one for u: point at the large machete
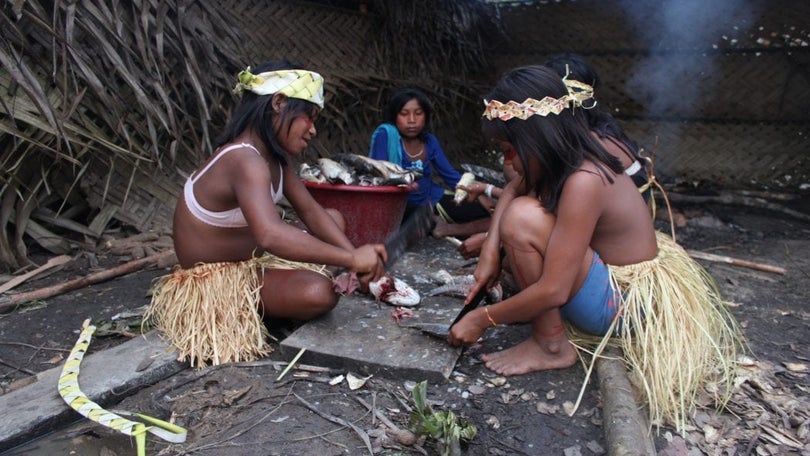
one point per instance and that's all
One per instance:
(417, 226)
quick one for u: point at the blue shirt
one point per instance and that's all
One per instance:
(429, 192)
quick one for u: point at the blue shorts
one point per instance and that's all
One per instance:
(593, 307)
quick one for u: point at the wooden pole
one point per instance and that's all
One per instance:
(97, 277)
(736, 261)
(627, 430)
(53, 262)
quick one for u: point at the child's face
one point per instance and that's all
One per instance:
(513, 166)
(509, 172)
(295, 138)
(411, 119)
(300, 133)
(511, 162)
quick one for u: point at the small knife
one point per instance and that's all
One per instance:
(476, 301)
(442, 330)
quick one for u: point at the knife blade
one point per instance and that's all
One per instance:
(442, 330)
(438, 330)
(476, 301)
(416, 227)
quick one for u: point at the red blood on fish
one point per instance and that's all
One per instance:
(394, 291)
(387, 287)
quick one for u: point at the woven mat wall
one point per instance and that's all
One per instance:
(319, 37)
(767, 155)
(738, 107)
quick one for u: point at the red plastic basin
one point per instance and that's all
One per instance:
(372, 213)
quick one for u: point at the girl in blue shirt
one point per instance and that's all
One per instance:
(404, 138)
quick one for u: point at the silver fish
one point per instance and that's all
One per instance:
(394, 291)
(399, 179)
(391, 173)
(367, 180)
(485, 174)
(460, 287)
(310, 173)
(363, 165)
(335, 172)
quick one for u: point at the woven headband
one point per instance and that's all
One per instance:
(578, 93)
(301, 84)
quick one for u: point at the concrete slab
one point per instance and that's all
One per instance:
(105, 377)
(360, 335)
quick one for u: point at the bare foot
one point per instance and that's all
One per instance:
(532, 355)
(441, 229)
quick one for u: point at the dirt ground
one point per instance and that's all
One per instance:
(242, 410)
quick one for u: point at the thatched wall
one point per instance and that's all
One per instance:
(108, 105)
(102, 102)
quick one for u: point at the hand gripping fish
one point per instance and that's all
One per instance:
(77, 400)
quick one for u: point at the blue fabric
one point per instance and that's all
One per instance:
(386, 137)
(394, 150)
(593, 307)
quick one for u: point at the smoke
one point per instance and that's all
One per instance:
(682, 38)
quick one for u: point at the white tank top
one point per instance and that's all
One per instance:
(233, 218)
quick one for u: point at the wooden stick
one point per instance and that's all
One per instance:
(98, 277)
(739, 200)
(53, 262)
(292, 363)
(735, 261)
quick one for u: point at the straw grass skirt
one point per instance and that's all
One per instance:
(675, 331)
(212, 312)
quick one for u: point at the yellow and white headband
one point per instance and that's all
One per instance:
(301, 84)
(578, 94)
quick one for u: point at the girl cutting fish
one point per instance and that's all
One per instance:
(238, 259)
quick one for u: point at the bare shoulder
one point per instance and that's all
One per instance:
(623, 232)
(591, 176)
(585, 194)
(247, 163)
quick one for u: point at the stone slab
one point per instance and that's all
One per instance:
(106, 377)
(361, 336)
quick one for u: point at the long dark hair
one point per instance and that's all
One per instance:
(398, 100)
(255, 112)
(599, 120)
(559, 142)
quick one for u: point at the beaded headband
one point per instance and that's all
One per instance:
(301, 84)
(578, 93)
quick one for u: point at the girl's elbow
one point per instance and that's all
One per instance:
(268, 243)
(555, 297)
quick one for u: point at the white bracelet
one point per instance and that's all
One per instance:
(488, 191)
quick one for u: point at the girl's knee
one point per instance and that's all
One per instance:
(525, 220)
(300, 295)
(318, 298)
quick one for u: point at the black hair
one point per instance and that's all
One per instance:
(560, 142)
(255, 112)
(599, 120)
(399, 98)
